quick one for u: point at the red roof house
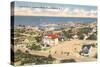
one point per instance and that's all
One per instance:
(50, 40)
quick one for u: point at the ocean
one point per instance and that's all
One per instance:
(43, 20)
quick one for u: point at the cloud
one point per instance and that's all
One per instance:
(83, 12)
(76, 12)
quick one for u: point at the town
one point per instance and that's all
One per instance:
(56, 43)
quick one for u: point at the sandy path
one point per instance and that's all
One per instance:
(65, 50)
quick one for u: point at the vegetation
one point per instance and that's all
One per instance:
(19, 30)
(28, 58)
(94, 45)
(34, 47)
(34, 39)
(67, 34)
(85, 30)
(93, 37)
(34, 43)
(67, 60)
(81, 36)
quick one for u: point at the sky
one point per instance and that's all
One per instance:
(51, 9)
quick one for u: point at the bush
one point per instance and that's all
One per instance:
(19, 30)
(85, 30)
(93, 37)
(81, 36)
(67, 60)
(66, 34)
(28, 58)
(35, 47)
(94, 45)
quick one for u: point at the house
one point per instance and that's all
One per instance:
(50, 40)
(75, 37)
(85, 50)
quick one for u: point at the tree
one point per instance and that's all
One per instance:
(93, 37)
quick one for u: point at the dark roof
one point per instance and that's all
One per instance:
(87, 45)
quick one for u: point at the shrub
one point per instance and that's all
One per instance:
(28, 58)
(93, 37)
(35, 47)
(67, 60)
(94, 45)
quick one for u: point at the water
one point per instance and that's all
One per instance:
(43, 20)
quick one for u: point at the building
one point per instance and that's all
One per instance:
(50, 40)
(75, 37)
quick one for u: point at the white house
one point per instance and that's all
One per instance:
(50, 40)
